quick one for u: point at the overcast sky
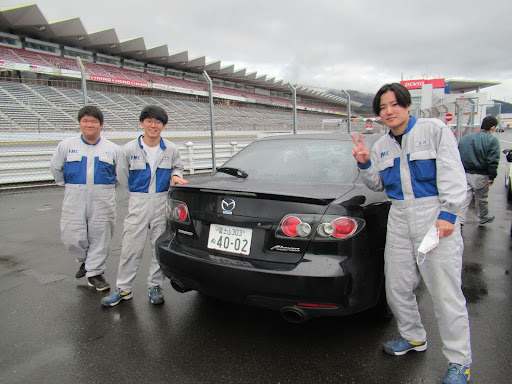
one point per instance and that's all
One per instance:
(341, 44)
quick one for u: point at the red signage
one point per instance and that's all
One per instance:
(113, 80)
(417, 84)
(448, 117)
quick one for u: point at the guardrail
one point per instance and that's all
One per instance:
(33, 165)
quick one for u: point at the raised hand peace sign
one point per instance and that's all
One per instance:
(360, 152)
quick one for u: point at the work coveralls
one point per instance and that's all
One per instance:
(87, 224)
(425, 180)
(148, 187)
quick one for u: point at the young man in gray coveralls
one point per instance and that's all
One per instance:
(147, 167)
(419, 166)
(86, 166)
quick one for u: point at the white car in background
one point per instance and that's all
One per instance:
(508, 173)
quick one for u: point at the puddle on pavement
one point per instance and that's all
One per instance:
(473, 282)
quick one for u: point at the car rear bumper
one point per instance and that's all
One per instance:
(320, 285)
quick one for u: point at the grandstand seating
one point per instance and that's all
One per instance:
(43, 59)
(31, 107)
(10, 55)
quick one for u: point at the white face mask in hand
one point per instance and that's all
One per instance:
(429, 242)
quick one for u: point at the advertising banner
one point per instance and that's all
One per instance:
(417, 84)
(114, 80)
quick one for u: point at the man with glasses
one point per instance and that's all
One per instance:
(86, 166)
(147, 167)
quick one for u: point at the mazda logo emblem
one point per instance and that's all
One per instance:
(228, 205)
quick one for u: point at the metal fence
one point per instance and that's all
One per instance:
(463, 115)
(34, 118)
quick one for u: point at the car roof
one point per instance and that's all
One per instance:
(336, 135)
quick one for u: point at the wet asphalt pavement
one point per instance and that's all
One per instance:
(53, 329)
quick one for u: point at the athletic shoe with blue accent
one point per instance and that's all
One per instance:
(115, 298)
(457, 374)
(155, 295)
(401, 346)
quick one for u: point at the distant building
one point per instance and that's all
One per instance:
(445, 98)
(505, 112)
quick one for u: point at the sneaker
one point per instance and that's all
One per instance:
(457, 374)
(489, 219)
(115, 298)
(98, 282)
(155, 295)
(81, 272)
(401, 346)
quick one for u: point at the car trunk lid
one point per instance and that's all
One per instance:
(244, 205)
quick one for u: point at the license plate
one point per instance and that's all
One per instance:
(230, 239)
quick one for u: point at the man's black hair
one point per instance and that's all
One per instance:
(403, 97)
(91, 110)
(154, 112)
(488, 122)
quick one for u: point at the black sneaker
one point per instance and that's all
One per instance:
(81, 272)
(98, 282)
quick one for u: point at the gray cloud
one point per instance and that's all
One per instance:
(340, 44)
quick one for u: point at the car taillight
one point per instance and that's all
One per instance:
(177, 211)
(343, 227)
(292, 226)
(339, 228)
(328, 227)
(180, 212)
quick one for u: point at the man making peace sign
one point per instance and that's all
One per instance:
(419, 166)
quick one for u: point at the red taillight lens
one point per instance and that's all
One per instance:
(343, 227)
(298, 226)
(289, 226)
(180, 212)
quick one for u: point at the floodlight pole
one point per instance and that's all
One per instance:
(349, 117)
(84, 83)
(294, 100)
(212, 124)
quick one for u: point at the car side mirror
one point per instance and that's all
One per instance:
(508, 152)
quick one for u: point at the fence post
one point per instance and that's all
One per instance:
(294, 101)
(349, 113)
(234, 148)
(212, 123)
(84, 81)
(459, 111)
(190, 147)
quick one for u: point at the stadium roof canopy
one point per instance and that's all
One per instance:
(462, 85)
(28, 21)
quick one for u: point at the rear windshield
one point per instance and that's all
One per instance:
(312, 160)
